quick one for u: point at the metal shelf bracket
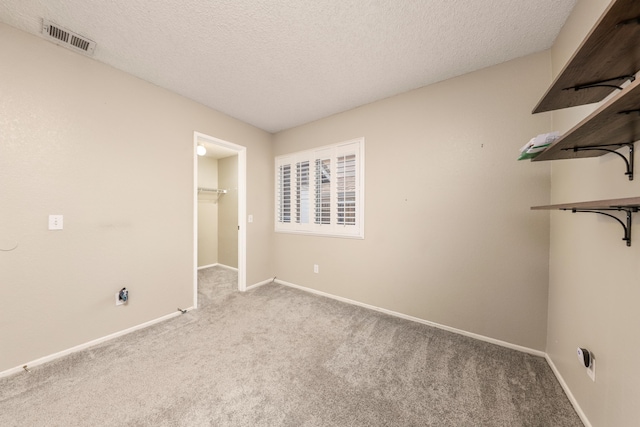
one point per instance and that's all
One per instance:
(626, 227)
(628, 162)
(631, 21)
(602, 83)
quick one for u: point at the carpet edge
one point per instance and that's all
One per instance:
(479, 337)
(86, 345)
(567, 391)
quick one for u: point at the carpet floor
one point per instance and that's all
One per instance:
(276, 356)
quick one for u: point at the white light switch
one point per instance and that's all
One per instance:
(55, 222)
(250, 219)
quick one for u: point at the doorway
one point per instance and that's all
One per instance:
(212, 194)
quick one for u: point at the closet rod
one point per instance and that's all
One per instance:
(212, 190)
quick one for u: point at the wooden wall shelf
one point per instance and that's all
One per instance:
(616, 122)
(602, 207)
(629, 202)
(614, 125)
(607, 57)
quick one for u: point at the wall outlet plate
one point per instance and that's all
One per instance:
(56, 222)
(591, 370)
(584, 356)
(587, 360)
(118, 300)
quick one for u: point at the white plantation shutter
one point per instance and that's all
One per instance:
(284, 193)
(321, 191)
(346, 189)
(302, 192)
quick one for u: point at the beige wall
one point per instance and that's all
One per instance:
(207, 212)
(228, 212)
(114, 155)
(449, 236)
(594, 288)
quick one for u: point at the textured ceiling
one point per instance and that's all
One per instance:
(281, 63)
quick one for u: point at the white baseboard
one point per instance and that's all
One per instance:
(567, 391)
(227, 267)
(218, 265)
(418, 320)
(86, 345)
(257, 285)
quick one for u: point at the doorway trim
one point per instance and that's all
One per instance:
(242, 209)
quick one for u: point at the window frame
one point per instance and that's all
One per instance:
(352, 178)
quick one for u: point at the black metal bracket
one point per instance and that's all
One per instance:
(626, 227)
(628, 22)
(628, 162)
(602, 83)
(629, 111)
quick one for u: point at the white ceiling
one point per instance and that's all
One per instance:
(277, 64)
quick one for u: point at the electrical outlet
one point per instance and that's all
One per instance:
(316, 268)
(118, 300)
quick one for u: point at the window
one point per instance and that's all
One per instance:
(321, 191)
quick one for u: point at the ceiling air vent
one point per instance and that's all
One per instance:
(63, 37)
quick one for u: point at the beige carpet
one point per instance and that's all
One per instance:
(276, 356)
